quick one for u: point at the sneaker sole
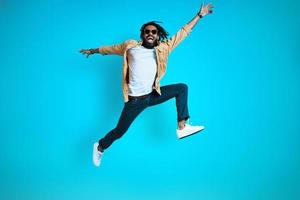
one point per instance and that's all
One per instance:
(94, 150)
(190, 134)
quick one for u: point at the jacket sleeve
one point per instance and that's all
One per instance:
(117, 49)
(178, 37)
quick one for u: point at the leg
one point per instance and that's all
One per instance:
(180, 92)
(130, 111)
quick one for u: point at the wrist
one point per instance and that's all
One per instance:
(199, 15)
(92, 51)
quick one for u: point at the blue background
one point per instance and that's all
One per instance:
(242, 68)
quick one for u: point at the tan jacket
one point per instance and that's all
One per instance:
(162, 53)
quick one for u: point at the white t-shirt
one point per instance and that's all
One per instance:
(142, 70)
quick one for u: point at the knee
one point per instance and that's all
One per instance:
(183, 87)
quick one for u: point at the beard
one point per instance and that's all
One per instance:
(149, 45)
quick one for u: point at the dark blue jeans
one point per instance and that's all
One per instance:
(134, 107)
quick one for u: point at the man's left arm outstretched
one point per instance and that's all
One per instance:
(185, 30)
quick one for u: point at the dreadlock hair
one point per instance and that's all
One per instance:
(163, 34)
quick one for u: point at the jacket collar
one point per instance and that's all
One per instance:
(138, 43)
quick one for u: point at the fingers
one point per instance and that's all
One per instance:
(201, 7)
(85, 52)
(209, 7)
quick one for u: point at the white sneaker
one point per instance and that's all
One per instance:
(188, 130)
(97, 155)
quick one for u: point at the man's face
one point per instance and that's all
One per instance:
(150, 35)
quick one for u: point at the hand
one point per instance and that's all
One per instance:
(205, 10)
(86, 51)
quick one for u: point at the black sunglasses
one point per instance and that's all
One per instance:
(147, 31)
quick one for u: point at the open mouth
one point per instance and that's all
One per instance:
(150, 39)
